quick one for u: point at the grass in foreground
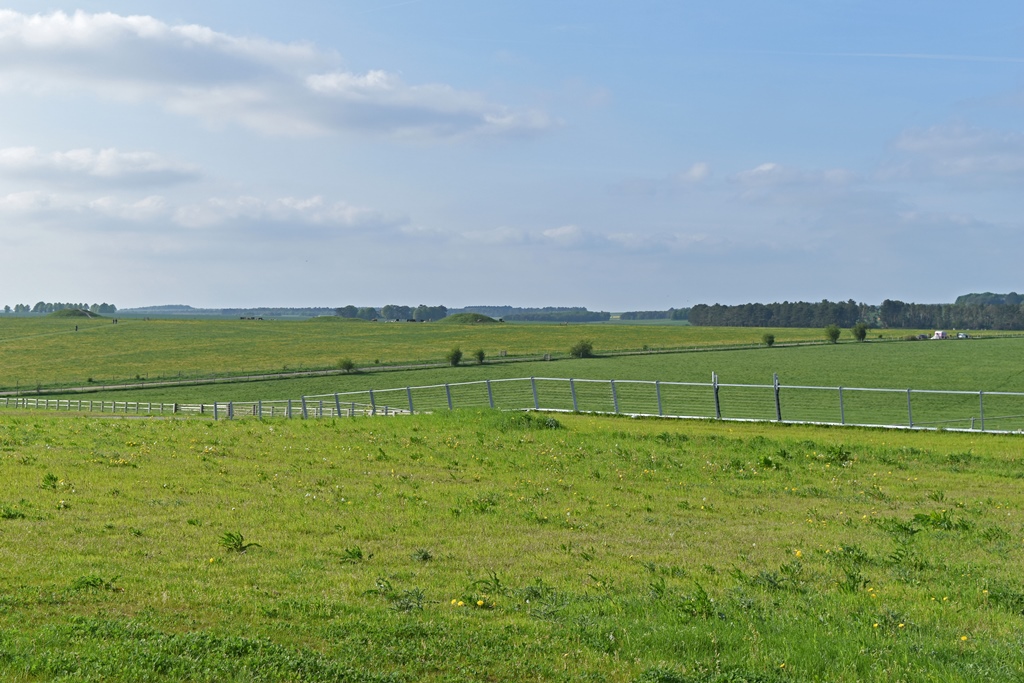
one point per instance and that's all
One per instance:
(489, 546)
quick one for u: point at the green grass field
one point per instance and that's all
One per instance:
(481, 546)
(966, 365)
(49, 352)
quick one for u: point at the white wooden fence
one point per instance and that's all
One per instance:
(903, 408)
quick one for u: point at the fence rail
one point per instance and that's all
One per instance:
(855, 406)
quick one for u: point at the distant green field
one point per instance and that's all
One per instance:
(966, 365)
(480, 546)
(48, 351)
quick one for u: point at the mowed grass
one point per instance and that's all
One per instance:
(482, 546)
(964, 365)
(48, 351)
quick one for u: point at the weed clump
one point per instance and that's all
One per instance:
(233, 541)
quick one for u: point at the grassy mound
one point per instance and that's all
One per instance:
(74, 313)
(464, 318)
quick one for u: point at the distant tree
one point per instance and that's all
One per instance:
(479, 355)
(7, 309)
(347, 311)
(860, 332)
(832, 333)
(584, 348)
(367, 313)
(768, 338)
(393, 312)
(423, 312)
(454, 356)
(346, 365)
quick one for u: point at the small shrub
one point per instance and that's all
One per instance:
(423, 555)
(234, 541)
(479, 355)
(10, 513)
(346, 365)
(454, 356)
(353, 555)
(584, 348)
(859, 332)
(49, 481)
(768, 339)
(832, 333)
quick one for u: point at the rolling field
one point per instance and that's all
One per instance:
(481, 546)
(966, 365)
(49, 352)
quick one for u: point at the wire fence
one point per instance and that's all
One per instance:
(856, 406)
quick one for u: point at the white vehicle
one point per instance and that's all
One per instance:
(939, 334)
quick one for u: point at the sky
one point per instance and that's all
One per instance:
(617, 155)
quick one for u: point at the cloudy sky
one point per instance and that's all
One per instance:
(611, 154)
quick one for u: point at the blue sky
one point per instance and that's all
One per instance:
(614, 155)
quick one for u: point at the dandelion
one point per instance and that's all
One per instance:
(211, 560)
(479, 603)
(963, 638)
(454, 601)
(461, 604)
(875, 626)
(798, 553)
(901, 626)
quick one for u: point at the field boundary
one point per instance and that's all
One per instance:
(927, 409)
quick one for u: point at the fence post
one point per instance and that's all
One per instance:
(657, 392)
(572, 390)
(490, 395)
(305, 412)
(337, 406)
(714, 386)
(215, 410)
(910, 412)
(615, 397)
(321, 408)
(536, 403)
(842, 412)
(408, 395)
(352, 409)
(448, 395)
(778, 405)
(373, 403)
(981, 404)
(288, 413)
(259, 409)
(231, 410)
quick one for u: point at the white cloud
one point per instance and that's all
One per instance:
(108, 166)
(152, 212)
(956, 151)
(695, 174)
(564, 236)
(314, 211)
(269, 86)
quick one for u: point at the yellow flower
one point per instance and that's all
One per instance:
(211, 559)
(963, 637)
(901, 625)
(454, 601)
(875, 626)
(461, 604)
(798, 553)
(479, 603)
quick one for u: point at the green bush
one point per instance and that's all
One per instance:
(768, 338)
(860, 332)
(832, 333)
(347, 364)
(479, 355)
(584, 348)
(454, 356)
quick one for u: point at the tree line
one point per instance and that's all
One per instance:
(44, 307)
(420, 313)
(890, 314)
(670, 314)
